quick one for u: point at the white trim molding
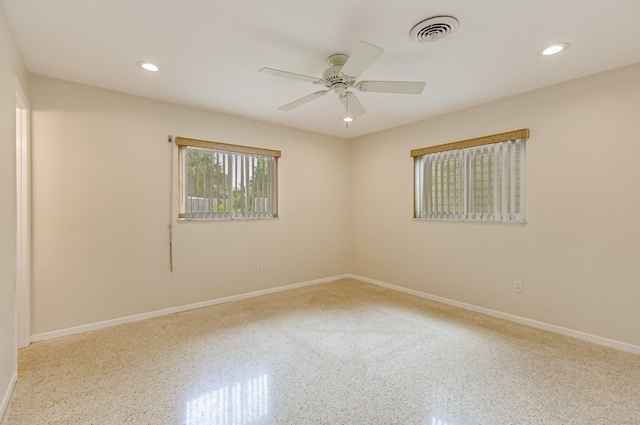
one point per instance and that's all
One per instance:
(623, 346)
(7, 394)
(506, 316)
(171, 310)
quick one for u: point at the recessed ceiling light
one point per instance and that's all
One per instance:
(554, 48)
(148, 66)
(347, 119)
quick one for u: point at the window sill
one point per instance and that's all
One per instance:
(224, 220)
(446, 220)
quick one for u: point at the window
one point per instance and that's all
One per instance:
(220, 181)
(473, 180)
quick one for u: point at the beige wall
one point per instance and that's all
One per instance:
(577, 256)
(101, 172)
(101, 169)
(11, 66)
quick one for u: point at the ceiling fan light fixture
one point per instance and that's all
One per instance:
(148, 66)
(554, 49)
(347, 118)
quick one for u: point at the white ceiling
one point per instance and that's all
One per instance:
(210, 51)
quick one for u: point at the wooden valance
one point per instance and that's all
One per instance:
(471, 143)
(183, 141)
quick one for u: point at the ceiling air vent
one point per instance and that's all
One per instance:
(434, 29)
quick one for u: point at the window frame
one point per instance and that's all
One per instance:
(460, 154)
(233, 152)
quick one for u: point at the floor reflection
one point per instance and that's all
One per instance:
(438, 421)
(238, 404)
(444, 403)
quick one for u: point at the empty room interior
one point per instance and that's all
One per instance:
(281, 212)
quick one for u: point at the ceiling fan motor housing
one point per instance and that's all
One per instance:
(332, 76)
(339, 88)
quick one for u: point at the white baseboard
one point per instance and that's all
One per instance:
(134, 318)
(623, 346)
(7, 394)
(511, 317)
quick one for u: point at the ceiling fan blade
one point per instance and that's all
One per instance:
(402, 87)
(364, 55)
(291, 75)
(352, 105)
(303, 100)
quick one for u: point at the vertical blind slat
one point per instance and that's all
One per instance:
(441, 209)
(461, 185)
(496, 186)
(503, 209)
(428, 188)
(448, 159)
(512, 184)
(471, 170)
(456, 197)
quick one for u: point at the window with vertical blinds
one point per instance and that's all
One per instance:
(220, 181)
(481, 182)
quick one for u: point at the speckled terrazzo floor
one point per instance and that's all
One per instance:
(338, 353)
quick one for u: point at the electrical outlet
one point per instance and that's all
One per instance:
(259, 268)
(517, 287)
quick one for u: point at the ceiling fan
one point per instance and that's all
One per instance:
(341, 76)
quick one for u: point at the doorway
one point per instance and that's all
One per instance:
(23, 217)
